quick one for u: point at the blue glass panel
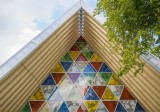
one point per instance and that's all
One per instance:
(139, 108)
(49, 81)
(63, 108)
(91, 95)
(66, 65)
(120, 108)
(89, 68)
(104, 68)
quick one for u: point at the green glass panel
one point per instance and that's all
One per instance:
(26, 108)
(88, 55)
(81, 45)
(106, 76)
(67, 57)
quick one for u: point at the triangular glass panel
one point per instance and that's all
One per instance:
(126, 95)
(67, 57)
(38, 95)
(95, 58)
(59, 68)
(81, 65)
(65, 90)
(55, 95)
(35, 105)
(63, 108)
(57, 76)
(74, 76)
(91, 95)
(73, 105)
(74, 69)
(81, 39)
(117, 90)
(44, 108)
(81, 45)
(26, 108)
(74, 55)
(74, 48)
(54, 105)
(87, 48)
(108, 95)
(99, 90)
(66, 65)
(49, 81)
(81, 81)
(110, 105)
(81, 57)
(106, 77)
(129, 105)
(120, 108)
(139, 108)
(114, 81)
(65, 82)
(104, 68)
(73, 95)
(97, 65)
(89, 68)
(89, 77)
(98, 81)
(102, 108)
(88, 55)
(91, 105)
(82, 90)
(82, 108)
(47, 90)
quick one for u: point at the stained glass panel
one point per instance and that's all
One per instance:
(82, 82)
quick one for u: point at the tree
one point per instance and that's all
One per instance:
(132, 27)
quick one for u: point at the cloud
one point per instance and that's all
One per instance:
(19, 21)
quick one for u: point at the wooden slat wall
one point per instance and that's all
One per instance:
(145, 86)
(20, 84)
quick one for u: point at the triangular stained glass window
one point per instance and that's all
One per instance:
(26, 108)
(91, 95)
(82, 82)
(63, 108)
(92, 105)
(82, 108)
(67, 57)
(35, 105)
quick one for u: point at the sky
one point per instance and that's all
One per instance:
(22, 20)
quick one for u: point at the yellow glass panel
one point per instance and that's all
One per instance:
(115, 81)
(95, 58)
(60, 82)
(74, 55)
(108, 95)
(58, 68)
(91, 105)
(44, 108)
(38, 95)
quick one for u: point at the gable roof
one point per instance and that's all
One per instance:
(22, 74)
(33, 44)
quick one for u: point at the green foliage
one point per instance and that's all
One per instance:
(131, 27)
